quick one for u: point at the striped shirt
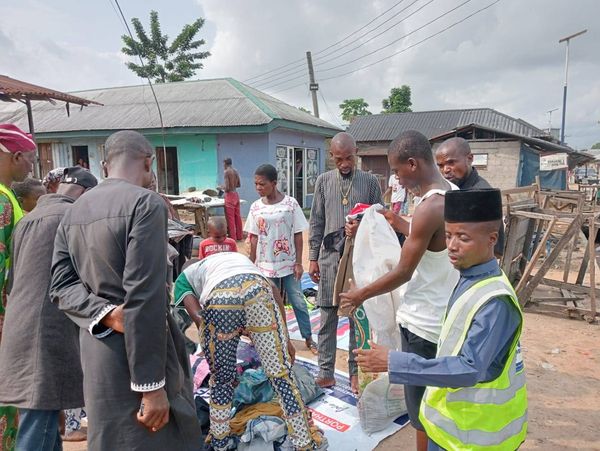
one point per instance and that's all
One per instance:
(328, 214)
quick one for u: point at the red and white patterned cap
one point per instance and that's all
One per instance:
(13, 139)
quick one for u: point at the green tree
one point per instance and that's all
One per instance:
(596, 146)
(165, 62)
(354, 107)
(398, 101)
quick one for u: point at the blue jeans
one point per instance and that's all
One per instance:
(38, 430)
(291, 287)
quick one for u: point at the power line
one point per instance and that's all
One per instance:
(295, 63)
(416, 43)
(372, 30)
(160, 116)
(363, 27)
(280, 74)
(329, 110)
(326, 48)
(274, 78)
(399, 52)
(287, 80)
(384, 31)
(441, 16)
(117, 13)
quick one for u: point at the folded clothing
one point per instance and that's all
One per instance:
(240, 420)
(254, 387)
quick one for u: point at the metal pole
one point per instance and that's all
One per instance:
(165, 162)
(314, 87)
(37, 168)
(550, 119)
(564, 108)
(564, 105)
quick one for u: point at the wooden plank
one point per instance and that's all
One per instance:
(592, 248)
(568, 294)
(568, 286)
(527, 244)
(534, 215)
(560, 214)
(556, 299)
(517, 231)
(582, 313)
(534, 258)
(521, 190)
(567, 269)
(510, 247)
(527, 288)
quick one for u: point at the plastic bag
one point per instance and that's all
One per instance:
(380, 404)
(376, 252)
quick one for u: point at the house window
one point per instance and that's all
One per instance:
(81, 156)
(168, 177)
(480, 160)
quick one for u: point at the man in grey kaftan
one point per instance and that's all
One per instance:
(336, 193)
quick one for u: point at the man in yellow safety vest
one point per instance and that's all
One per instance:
(16, 161)
(476, 395)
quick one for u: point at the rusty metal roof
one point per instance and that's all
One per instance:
(11, 89)
(543, 145)
(385, 127)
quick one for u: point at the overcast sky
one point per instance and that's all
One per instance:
(506, 57)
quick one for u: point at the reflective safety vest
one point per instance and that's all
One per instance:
(490, 415)
(16, 217)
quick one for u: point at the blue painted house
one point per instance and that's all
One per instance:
(204, 121)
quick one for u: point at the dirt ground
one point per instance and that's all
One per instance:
(562, 361)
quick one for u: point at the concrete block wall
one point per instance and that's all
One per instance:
(503, 162)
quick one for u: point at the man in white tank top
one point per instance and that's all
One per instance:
(424, 265)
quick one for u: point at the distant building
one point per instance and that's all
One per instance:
(205, 122)
(506, 150)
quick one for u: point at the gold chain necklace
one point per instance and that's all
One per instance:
(345, 195)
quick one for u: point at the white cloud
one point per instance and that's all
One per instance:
(507, 58)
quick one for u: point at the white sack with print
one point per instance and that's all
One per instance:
(376, 252)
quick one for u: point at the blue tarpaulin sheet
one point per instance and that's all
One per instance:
(529, 168)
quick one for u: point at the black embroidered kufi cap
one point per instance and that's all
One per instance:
(479, 205)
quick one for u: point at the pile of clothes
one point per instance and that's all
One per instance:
(256, 417)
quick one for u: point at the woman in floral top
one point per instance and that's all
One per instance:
(275, 224)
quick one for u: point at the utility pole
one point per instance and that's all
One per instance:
(314, 86)
(549, 113)
(564, 109)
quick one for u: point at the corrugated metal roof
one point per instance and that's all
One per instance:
(543, 145)
(385, 127)
(203, 103)
(20, 90)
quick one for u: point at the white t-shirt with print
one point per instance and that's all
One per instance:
(275, 226)
(398, 191)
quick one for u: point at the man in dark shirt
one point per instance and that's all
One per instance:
(40, 367)
(455, 160)
(109, 275)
